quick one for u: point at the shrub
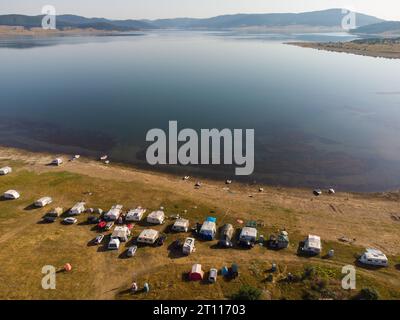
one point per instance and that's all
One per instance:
(367, 294)
(247, 293)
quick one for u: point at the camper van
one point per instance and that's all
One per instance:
(78, 208)
(374, 257)
(42, 202)
(148, 236)
(156, 217)
(312, 245)
(208, 229)
(188, 246)
(135, 214)
(180, 225)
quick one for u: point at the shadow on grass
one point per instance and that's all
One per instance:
(397, 266)
(31, 207)
(357, 263)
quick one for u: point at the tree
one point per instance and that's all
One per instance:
(247, 293)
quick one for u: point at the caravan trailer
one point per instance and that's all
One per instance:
(312, 245)
(11, 195)
(181, 225)
(374, 257)
(114, 213)
(148, 236)
(135, 214)
(42, 202)
(156, 217)
(78, 208)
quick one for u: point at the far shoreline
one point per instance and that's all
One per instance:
(386, 51)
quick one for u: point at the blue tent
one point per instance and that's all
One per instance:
(224, 271)
(212, 219)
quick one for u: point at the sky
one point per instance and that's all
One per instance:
(153, 9)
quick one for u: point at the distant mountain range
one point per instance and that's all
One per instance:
(331, 18)
(382, 28)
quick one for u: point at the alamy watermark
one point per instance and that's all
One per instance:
(195, 150)
(49, 19)
(349, 21)
(49, 279)
(349, 280)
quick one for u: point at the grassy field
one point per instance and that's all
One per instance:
(27, 245)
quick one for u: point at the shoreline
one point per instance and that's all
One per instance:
(384, 51)
(19, 153)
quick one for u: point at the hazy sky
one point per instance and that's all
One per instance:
(150, 9)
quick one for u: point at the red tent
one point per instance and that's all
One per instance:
(196, 274)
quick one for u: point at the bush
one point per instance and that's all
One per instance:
(368, 294)
(247, 293)
(309, 272)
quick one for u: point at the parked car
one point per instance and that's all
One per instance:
(225, 244)
(98, 239)
(131, 251)
(93, 220)
(109, 225)
(70, 220)
(161, 240)
(212, 277)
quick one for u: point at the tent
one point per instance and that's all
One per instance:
(196, 274)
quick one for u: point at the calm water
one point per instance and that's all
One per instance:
(321, 119)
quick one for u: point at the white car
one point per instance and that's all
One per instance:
(70, 220)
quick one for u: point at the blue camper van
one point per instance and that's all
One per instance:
(208, 229)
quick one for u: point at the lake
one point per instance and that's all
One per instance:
(321, 119)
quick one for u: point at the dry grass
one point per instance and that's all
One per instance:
(26, 245)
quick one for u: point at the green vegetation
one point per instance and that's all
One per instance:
(247, 293)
